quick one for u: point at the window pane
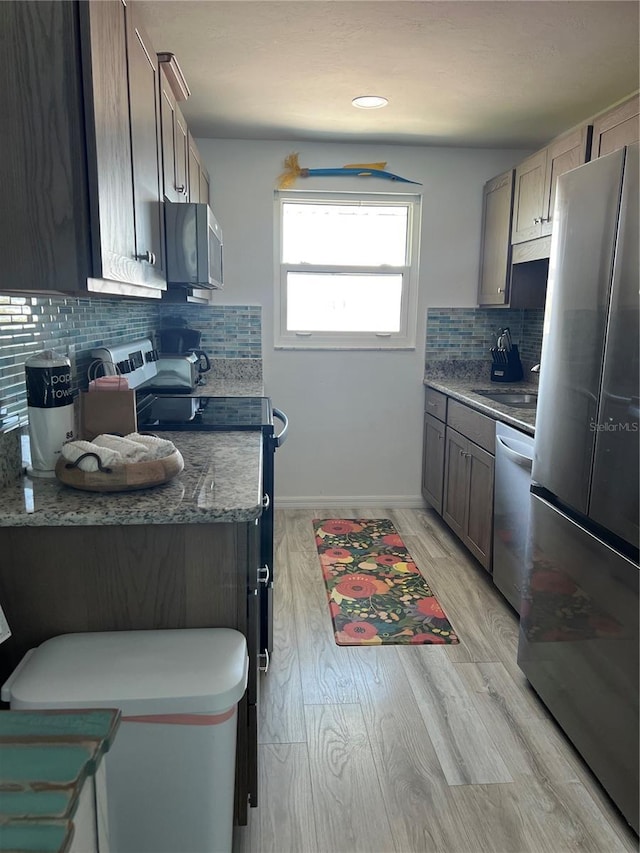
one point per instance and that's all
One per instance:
(344, 234)
(338, 302)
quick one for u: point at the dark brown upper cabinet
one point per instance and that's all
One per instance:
(616, 128)
(80, 155)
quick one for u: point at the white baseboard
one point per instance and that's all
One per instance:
(353, 501)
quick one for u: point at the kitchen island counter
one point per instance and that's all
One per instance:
(221, 482)
(463, 389)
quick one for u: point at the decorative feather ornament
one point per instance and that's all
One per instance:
(293, 170)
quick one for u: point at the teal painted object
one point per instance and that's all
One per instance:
(45, 759)
(47, 725)
(36, 836)
(37, 804)
(58, 764)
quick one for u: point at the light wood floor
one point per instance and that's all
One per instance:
(401, 749)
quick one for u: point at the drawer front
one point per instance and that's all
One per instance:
(435, 404)
(476, 427)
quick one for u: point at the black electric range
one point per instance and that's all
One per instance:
(180, 413)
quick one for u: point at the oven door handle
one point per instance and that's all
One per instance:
(280, 439)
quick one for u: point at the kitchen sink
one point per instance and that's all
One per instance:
(517, 399)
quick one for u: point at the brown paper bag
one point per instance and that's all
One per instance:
(107, 411)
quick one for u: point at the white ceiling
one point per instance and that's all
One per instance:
(506, 73)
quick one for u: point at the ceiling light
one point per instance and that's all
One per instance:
(369, 102)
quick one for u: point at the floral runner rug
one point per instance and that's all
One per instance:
(376, 593)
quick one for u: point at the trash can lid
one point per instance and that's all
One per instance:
(181, 671)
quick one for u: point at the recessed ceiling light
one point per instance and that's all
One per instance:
(369, 102)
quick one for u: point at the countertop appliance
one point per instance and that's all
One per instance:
(194, 245)
(178, 373)
(514, 458)
(182, 340)
(579, 621)
(210, 414)
(178, 339)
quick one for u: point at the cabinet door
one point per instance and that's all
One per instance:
(455, 482)
(194, 170)
(497, 206)
(479, 526)
(253, 647)
(204, 185)
(145, 143)
(198, 175)
(565, 153)
(181, 155)
(529, 198)
(168, 137)
(616, 128)
(433, 462)
(111, 193)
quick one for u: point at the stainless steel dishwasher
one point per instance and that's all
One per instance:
(514, 459)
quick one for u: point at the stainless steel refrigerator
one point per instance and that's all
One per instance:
(579, 618)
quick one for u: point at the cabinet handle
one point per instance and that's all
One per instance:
(264, 656)
(501, 290)
(432, 404)
(266, 502)
(181, 189)
(264, 574)
(149, 257)
(537, 220)
(461, 452)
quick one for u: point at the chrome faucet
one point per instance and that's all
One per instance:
(535, 368)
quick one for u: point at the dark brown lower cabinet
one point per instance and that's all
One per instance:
(468, 494)
(57, 580)
(433, 461)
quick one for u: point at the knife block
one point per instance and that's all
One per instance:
(509, 370)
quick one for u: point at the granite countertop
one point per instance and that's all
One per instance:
(221, 481)
(461, 388)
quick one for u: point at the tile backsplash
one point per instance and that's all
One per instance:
(468, 333)
(74, 326)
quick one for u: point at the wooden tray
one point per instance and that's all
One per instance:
(124, 478)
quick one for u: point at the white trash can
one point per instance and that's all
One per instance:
(171, 769)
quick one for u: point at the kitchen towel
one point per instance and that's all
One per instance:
(73, 450)
(157, 448)
(131, 451)
(375, 590)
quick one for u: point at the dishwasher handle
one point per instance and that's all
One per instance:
(511, 453)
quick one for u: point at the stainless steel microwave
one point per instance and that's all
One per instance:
(194, 245)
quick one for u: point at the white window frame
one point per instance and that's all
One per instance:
(405, 338)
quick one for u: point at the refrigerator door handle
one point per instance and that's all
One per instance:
(520, 459)
(281, 437)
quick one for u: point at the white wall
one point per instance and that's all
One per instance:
(356, 417)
